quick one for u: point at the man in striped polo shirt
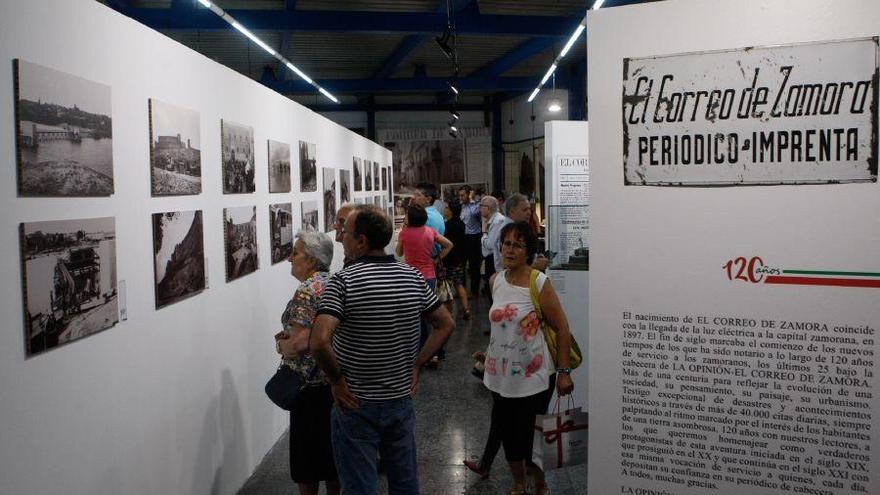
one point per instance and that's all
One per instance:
(366, 339)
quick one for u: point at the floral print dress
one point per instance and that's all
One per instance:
(302, 309)
(517, 362)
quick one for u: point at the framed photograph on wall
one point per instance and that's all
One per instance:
(281, 231)
(329, 198)
(357, 167)
(279, 167)
(237, 144)
(178, 256)
(175, 150)
(68, 280)
(344, 186)
(240, 241)
(65, 133)
(309, 215)
(376, 179)
(308, 169)
(438, 161)
(368, 175)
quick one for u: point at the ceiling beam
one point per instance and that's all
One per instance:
(510, 59)
(395, 107)
(468, 21)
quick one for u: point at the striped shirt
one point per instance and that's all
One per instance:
(379, 303)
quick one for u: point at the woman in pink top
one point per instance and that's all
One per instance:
(416, 244)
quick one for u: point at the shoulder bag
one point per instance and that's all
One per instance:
(550, 336)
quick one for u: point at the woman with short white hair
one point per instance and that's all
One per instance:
(311, 452)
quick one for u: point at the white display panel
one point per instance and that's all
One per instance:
(167, 401)
(733, 330)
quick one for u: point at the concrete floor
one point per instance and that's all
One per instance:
(452, 410)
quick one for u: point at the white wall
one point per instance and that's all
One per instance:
(660, 250)
(170, 401)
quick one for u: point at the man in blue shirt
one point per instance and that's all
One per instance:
(425, 195)
(470, 215)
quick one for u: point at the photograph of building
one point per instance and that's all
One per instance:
(308, 169)
(175, 150)
(309, 213)
(329, 198)
(240, 241)
(435, 161)
(178, 256)
(344, 186)
(357, 168)
(281, 231)
(237, 143)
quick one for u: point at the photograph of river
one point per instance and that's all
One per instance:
(65, 135)
(69, 279)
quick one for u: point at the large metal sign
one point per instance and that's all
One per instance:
(794, 114)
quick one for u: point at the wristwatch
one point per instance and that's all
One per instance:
(564, 371)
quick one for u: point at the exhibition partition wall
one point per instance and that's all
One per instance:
(733, 328)
(149, 203)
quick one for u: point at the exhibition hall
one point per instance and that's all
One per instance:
(440, 247)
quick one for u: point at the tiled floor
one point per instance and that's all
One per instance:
(452, 409)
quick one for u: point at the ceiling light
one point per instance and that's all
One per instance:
(455, 115)
(549, 73)
(453, 128)
(453, 87)
(453, 134)
(554, 106)
(574, 37)
(443, 42)
(251, 36)
(598, 4)
(534, 94)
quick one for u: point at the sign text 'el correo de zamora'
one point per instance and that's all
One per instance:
(793, 114)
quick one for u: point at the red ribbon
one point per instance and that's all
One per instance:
(556, 435)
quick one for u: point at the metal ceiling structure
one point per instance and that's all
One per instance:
(381, 54)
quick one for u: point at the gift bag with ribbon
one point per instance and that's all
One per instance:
(560, 439)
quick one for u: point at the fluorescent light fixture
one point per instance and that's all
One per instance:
(574, 37)
(598, 4)
(253, 37)
(554, 106)
(549, 73)
(534, 94)
(327, 94)
(206, 3)
(300, 73)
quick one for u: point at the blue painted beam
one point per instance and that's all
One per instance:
(510, 59)
(399, 55)
(417, 84)
(469, 21)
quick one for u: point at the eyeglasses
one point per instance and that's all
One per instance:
(513, 245)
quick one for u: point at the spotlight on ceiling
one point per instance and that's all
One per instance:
(455, 115)
(453, 134)
(554, 105)
(443, 42)
(453, 86)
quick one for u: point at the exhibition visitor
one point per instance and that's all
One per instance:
(371, 311)
(473, 256)
(493, 222)
(451, 276)
(519, 209)
(425, 196)
(311, 452)
(519, 371)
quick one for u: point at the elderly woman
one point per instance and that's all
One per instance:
(311, 454)
(518, 369)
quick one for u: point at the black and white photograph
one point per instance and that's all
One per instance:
(329, 198)
(358, 168)
(368, 175)
(384, 178)
(65, 133)
(69, 280)
(344, 186)
(281, 231)
(240, 241)
(376, 176)
(237, 143)
(175, 150)
(308, 168)
(279, 167)
(435, 161)
(310, 215)
(449, 192)
(178, 256)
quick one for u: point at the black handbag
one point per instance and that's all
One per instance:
(285, 385)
